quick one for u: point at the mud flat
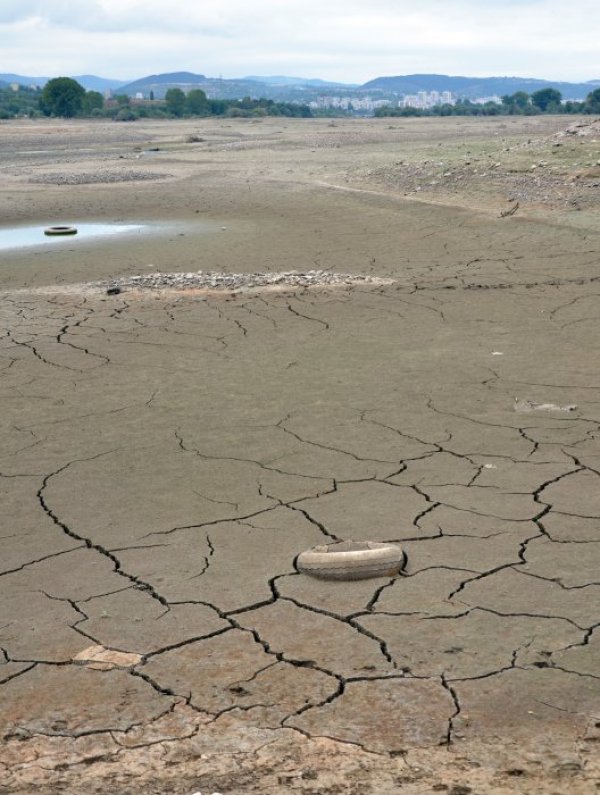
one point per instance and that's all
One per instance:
(167, 451)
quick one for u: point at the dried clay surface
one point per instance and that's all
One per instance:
(166, 453)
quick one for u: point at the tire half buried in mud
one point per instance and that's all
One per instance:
(52, 231)
(352, 560)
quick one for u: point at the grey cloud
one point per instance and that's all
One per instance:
(54, 12)
(351, 40)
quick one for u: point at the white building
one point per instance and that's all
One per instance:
(360, 104)
(484, 100)
(427, 99)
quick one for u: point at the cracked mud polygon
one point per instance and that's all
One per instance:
(167, 453)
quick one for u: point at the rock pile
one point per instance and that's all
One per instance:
(581, 129)
(213, 280)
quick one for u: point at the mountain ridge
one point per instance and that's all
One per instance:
(471, 87)
(89, 82)
(282, 87)
(285, 80)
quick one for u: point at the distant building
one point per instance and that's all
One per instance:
(485, 100)
(357, 104)
(15, 86)
(425, 100)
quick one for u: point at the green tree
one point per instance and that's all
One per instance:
(126, 114)
(93, 100)
(24, 102)
(517, 102)
(490, 109)
(572, 106)
(446, 109)
(217, 107)
(197, 103)
(546, 99)
(62, 96)
(592, 102)
(175, 99)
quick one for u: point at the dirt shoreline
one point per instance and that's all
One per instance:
(166, 453)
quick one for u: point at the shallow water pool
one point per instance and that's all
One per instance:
(30, 236)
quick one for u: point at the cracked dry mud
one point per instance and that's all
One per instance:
(165, 456)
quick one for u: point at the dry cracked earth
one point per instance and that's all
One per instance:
(166, 454)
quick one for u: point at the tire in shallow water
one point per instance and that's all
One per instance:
(352, 560)
(52, 231)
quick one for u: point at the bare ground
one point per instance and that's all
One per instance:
(166, 454)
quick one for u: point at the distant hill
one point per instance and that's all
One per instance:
(218, 87)
(471, 87)
(160, 83)
(89, 82)
(94, 83)
(9, 77)
(302, 89)
(311, 82)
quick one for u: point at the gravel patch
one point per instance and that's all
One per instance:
(97, 178)
(214, 280)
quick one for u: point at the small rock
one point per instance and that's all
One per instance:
(102, 659)
(569, 766)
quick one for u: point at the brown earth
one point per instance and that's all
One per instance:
(166, 454)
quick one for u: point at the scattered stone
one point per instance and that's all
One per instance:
(568, 766)
(215, 280)
(529, 405)
(581, 129)
(96, 178)
(99, 658)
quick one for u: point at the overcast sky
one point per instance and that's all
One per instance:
(343, 40)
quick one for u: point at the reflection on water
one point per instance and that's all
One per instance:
(29, 236)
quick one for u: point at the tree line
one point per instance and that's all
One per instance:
(546, 100)
(66, 98)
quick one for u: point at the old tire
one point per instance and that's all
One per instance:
(52, 231)
(352, 560)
